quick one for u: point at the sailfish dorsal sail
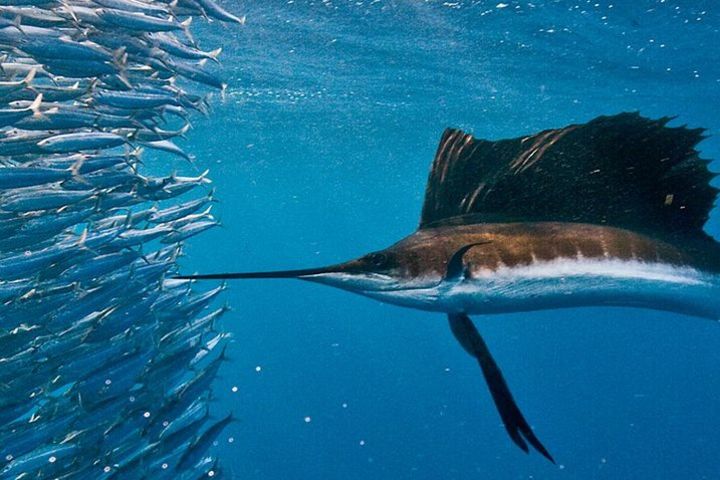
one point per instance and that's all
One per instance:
(624, 171)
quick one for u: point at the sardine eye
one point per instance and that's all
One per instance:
(377, 259)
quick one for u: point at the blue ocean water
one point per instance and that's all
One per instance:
(319, 152)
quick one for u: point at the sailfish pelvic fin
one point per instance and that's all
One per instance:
(515, 424)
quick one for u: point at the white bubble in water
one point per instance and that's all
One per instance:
(258, 368)
(211, 473)
(106, 469)
(308, 419)
(234, 389)
(166, 423)
(231, 439)
(362, 443)
(9, 458)
(344, 405)
(146, 414)
(108, 381)
(164, 466)
(52, 459)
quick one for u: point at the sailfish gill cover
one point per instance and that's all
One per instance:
(105, 364)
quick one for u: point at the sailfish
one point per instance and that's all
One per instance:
(606, 213)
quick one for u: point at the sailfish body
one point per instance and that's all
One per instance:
(606, 213)
(536, 266)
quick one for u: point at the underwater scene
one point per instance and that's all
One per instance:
(513, 203)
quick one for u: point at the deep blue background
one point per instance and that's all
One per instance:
(319, 152)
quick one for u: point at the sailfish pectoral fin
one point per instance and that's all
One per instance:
(455, 269)
(515, 424)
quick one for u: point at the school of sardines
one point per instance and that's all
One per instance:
(105, 361)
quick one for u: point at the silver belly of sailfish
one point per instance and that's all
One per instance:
(566, 283)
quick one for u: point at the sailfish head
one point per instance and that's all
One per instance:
(381, 271)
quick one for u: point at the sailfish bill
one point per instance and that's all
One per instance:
(606, 213)
(273, 274)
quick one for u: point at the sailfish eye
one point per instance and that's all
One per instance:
(377, 259)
